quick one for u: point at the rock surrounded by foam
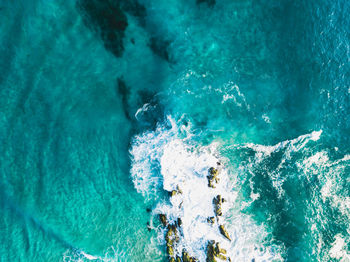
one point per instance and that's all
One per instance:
(168, 160)
(175, 197)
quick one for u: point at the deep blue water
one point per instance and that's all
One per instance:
(106, 105)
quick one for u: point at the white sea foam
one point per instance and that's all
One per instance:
(338, 249)
(289, 147)
(169, 158)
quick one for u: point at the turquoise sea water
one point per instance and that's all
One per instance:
(106, 105)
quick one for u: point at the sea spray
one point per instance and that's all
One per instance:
(169, 160)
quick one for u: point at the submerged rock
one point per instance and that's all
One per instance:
(108, 20)
(210, 3)
(163, 219)
(224, 232)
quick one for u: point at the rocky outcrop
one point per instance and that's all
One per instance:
(171, 237)
(224, 232)
(211, 220)
(163, 219)
(214, 251)
(175, 192)
(187, 258)
(217, 201)
(179, 222)
(213, 177)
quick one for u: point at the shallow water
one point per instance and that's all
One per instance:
(107, 105)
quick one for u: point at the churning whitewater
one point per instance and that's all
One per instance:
(172, 171)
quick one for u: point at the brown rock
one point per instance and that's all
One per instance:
(214, 251)
(179, 221)
(224, 232)
(211, 252)
(211, 220)
(212, 177)
(170, 251)
(217, 201)
(185, 256)
(175, 192)
(163, 219)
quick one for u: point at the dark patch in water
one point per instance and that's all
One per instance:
(160, 47)
(134, 8)
(210, 3)
(124, 91)
(107, 19)
(149, 117)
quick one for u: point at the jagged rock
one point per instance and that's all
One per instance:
(214, 251)
(220, 250)
(171, 236)
(187, 258)
(213, 177)
(211, 220)
(163, 219)
(179, 221)
(175, 192)
(170, 251)
(217, 201)
(221, 256)
(211, 252)
(224, 232)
